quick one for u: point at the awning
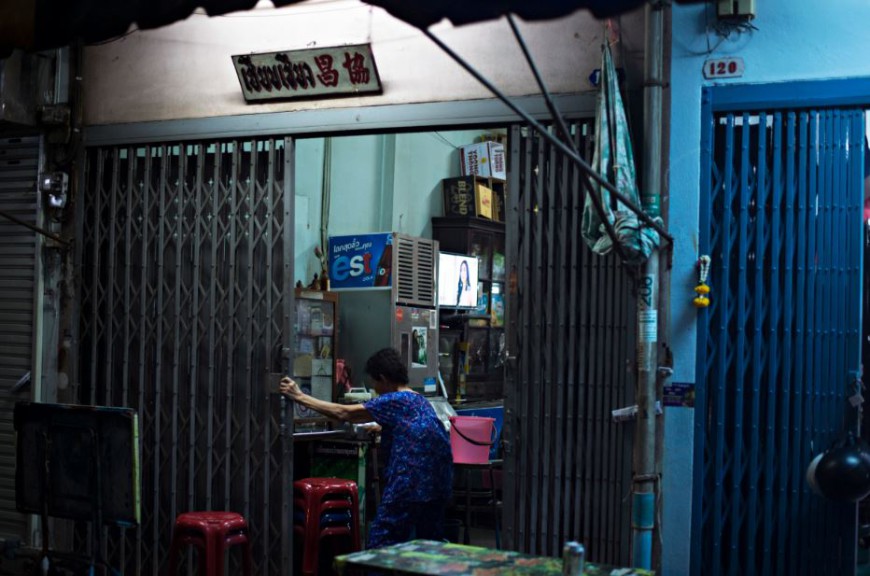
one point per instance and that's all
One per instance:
(44, 24)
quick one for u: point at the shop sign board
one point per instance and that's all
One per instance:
(361, 261)
(309, 73)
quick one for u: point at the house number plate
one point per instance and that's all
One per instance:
(723, 68)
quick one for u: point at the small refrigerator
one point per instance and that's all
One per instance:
(387, 282)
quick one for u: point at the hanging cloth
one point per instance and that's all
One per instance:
(613, 159)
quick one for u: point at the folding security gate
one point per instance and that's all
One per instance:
(186, 264)
(20, 304)
(572, 330)
(778, 349)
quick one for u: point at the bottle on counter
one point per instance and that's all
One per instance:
(573, 559)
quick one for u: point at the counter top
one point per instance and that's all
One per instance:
(322, 435)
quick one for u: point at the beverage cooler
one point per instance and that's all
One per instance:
(388, 294)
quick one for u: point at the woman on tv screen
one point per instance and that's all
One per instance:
(465, 294)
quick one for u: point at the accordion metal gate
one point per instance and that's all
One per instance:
(572, 331)
(778, 349)
(186, 267)
(21, 303)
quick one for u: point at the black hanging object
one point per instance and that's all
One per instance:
(843, 471)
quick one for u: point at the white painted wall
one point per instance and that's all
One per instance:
(794, 40)
(184, 70)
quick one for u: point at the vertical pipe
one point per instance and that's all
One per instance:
(644, 485)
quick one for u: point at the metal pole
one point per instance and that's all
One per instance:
(645, 479)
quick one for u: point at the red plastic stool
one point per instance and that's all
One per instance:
(212, 533)
(314, 496)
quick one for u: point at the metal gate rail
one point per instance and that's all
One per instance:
(781, 221)
(184, 305)
(569, 469)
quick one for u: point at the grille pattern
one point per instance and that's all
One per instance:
(781, 221)
(184, 305)
(19, 260)
(571, 324)
(415, 279)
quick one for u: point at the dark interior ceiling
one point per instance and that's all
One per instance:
(44, 24)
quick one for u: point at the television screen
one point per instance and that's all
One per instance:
(457, 280)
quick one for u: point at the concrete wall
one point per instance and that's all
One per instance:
(794, 40)
(185, 71)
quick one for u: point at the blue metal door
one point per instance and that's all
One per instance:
(779, 347)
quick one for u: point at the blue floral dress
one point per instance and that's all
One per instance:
(419, 469)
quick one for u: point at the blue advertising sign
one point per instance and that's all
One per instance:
(361, 261)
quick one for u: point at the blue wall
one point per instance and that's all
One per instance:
(794, 40)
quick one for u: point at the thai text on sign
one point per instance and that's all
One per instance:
(311, 73)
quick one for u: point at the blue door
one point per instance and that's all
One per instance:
(779, 347)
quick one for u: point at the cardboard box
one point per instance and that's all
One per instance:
(498, 199)
(483, 201)
(483, 159)
(467, 196)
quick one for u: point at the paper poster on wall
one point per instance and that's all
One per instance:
(419, 343)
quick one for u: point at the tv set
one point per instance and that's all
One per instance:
(457, 281)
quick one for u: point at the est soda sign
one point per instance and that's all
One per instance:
(360, 261)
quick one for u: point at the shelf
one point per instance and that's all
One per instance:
(481, 330)
(313, 358)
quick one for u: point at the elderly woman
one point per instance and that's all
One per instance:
(419, 462)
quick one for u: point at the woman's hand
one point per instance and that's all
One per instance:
(290, 388)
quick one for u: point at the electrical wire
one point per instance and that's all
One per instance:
(442, 138)
(115, 39)
(723, 28)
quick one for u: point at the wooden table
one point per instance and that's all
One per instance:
(430, 557)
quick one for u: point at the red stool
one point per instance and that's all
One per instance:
(315, 496)
(212, 533)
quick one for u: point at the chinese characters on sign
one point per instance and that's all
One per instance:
(317, 72)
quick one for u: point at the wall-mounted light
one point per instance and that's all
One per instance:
(55, 186)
